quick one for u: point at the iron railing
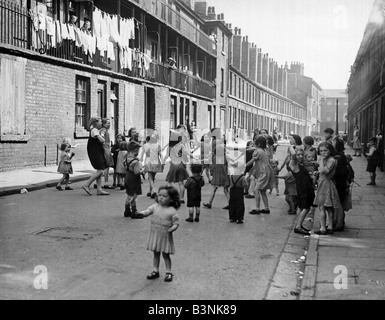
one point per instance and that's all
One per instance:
(17, 29)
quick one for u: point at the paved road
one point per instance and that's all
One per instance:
(214, 259)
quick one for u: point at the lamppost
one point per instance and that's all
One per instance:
(337, 118)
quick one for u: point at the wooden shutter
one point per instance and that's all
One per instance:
(12, 93)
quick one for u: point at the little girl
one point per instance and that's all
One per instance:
(120, 168)
(238, 186)
(373, 156)
(133, 182)
(65, 166)
(115, 152)
(194, 186)
(327, 196)
(304, 187)
(274, 164)
(164, 222)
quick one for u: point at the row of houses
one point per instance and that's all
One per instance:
(366, 86)
(145, 64)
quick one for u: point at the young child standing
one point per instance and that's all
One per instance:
(238, 185)
(290, 192)
(274, 164)
(327, 196)
(115, 152)
(65, 166)
(304, 187)
(133, 182)
(194, 186)
(164, 222)
(373, 156)
(311, 166)
(120, 167)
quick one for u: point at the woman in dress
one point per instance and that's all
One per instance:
(95, 152)
(357, 146)
(263, 174)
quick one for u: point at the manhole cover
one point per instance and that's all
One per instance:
(68, 233)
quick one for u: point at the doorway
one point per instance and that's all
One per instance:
(149, 110)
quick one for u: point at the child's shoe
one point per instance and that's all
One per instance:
(59, 188)
(168, 277)
(153, 275)
(196, 219)
(190, 219)
(69, 188)
(233, 220)
(127, 212)
(240, 222)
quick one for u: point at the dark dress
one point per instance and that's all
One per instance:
(194, 186)
(373, 161)
(95, 152)
(304, 186)
(133, 182)
(237, 202)
(341, 176)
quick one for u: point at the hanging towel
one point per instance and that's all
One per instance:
(64, 31)
(58, 31)
(97, 17)
(42, 24)
(71, 32)
(110, 51)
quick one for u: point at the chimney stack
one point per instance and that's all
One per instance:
(201, 7)
(211, 13)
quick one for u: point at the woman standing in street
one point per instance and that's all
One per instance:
(105, 134)
(357, 142)
(95, 152)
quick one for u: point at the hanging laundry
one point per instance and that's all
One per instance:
(146, 61)
(97, 17)
(71, 32)
(58, 32)
(51, 30)
(64, 31)
(78, 37)
(42, 24)
(110, 51)
(114, 32)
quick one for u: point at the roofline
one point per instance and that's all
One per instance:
(221, 24)
(190, 10)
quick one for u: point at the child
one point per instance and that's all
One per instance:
(65, 166)
(327, 196)
(274, 164)
(194, 186)
(238, 186)
(120, 168)
(311, 166)
(115, 152)
(372, 157)
(164, 222)
(133, 181)
(290, 192)
(304, 187)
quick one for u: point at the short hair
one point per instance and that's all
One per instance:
(196, 168)
(339, 145)
(297, 139)
(328, 146)
(132, 146)
(123, 146)
(94, 120)
(174, 196)
(261, 142)
(329, 130)
(105, 120)
(373, 139)
(64, 146)
(308, 140)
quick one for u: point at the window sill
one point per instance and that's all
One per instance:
(81, 134)
(15, 138)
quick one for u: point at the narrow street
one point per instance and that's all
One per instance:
(101, 255)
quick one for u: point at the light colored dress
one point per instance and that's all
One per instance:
(65, 168)
(262, 170)
(120, 167)
(163, 218)
(152, 162)
(327, 195)
(356, 140)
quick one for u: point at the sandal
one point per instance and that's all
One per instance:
(301, 231)
(321, 233)
(255, 212)
(306, 229)
(207, 205)
(153, 275)
(168, 277)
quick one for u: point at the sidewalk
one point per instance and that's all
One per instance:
(12, 182)
(360, 248)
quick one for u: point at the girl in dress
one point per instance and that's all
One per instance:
(115, 151)
(373, 157)
(133, 181)
(164, 222)
(120, 167)
(304, 187)
(95, 152)
(219, 173)
(179, 155)
(105, 134)
(327, 196)
(263, 174)
(65, 166)
(153, 162)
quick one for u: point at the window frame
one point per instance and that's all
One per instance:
(82, 129)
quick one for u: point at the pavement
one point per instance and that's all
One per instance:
(284, 266)
(350, 265)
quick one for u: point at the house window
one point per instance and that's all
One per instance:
(222, 81)
(82, 100)
(173, 112)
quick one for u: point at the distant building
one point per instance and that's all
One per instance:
(329, 110)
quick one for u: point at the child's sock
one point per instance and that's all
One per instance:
(197, 217)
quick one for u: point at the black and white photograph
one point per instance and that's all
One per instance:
(192, 155)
